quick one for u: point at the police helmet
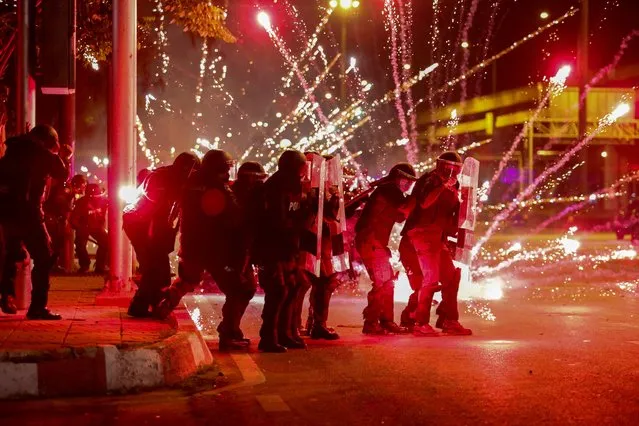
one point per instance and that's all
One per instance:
(251, 169)
(449, 164)
(186, 162)
(216, 162)
(291, 161)
(94, 190)
(404, 171)
(78, 180)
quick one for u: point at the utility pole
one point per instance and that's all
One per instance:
(25, 85)
(582, 59)
(342, 91)
(57, 63)
(121, 172)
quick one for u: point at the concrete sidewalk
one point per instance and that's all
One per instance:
(94, 349)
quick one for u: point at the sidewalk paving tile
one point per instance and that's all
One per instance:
(83, 324)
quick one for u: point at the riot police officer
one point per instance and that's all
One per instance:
(212, 239)
(89, 221)
(283, 218)
(28, 164)
(387, 206)
(149, 223)
(433, 219)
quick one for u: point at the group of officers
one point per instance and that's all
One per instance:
(243, 232)
(252, 230)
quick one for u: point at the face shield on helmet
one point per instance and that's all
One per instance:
(406, 185)
(448, 169)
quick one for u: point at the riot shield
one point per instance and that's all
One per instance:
(335, 220)
(311, 241)
(468, 181)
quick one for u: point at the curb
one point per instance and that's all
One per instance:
(106, 369)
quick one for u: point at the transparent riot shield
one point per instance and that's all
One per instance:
(314, 186)
(335, 221)
(468, 183)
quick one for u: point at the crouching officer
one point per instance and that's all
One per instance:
(387, 206)
(433, 219)
(212, 239)
(150, 224)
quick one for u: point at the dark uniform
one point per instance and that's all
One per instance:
(150, 225)
(387, 206)
(410, 262)
(433, 219)
(283, 217)
(213, 239)
(29, 163)
(89, 221)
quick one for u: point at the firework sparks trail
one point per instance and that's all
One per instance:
(504, 52)
(451, 64)
(600, 74)
(466, 56)
(606, 70)
(588, 201)
(200, 83)
(434, 45)
(557, 85)
(404, 87)
(391, 27)
(618, 112)
(153, 160)
(287, 121)
(406, 23)
(489, 36)
(430, 163)
(162, 41)
(564, 247)
(310, 45)
(284, 51)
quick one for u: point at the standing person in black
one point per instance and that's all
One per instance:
(213, 239)
(150, 225)
(283, 217)
(57, 211)
(29, 163)
(89, 221)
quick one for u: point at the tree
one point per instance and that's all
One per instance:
(94, 34)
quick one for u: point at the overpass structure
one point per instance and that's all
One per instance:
(546, 131)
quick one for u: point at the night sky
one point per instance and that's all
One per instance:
(255, 67)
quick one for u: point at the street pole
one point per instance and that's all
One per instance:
(121, 171)
(342, 92)
(25, 85)
(582, 55)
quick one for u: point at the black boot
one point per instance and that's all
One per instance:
(291, 343)
(43, 314)
(270, 347)
(8, 306)
(227, 344)
(138, 308)
(321, 332)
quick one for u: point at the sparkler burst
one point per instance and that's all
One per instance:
(306, 111)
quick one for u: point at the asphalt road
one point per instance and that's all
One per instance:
(559, 351)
